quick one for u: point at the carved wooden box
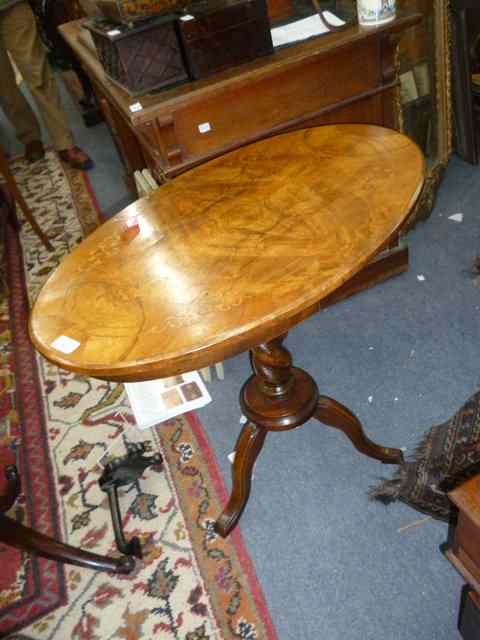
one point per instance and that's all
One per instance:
(130, 10)
(223, 34)
(279, 10)
(140, 57)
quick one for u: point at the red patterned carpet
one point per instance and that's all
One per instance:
(191, 584)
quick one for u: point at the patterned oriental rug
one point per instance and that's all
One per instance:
(60, 428)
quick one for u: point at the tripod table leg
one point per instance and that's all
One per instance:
(249, 445)
(337, 415)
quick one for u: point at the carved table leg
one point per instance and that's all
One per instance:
(249, 445)
(279, 397)
(336, 415)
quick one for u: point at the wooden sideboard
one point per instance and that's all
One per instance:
(463, 546)
(462, 549)
(338, 77)
(347, 76)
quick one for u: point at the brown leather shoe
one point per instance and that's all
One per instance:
(34, 151)
(76, 158)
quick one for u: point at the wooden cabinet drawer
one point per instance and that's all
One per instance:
(463, 548)
(466, 545)
(238, 113)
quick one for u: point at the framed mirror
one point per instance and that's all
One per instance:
(465, 27)
(423, 102)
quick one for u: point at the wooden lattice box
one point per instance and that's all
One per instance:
(140, 57)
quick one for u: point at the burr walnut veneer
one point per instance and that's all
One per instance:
(350, 76)
(228, 257)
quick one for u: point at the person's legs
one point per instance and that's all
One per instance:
(21, 38)
(12, 100)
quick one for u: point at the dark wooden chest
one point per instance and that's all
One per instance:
(140, 57)
(225, 33)
(469, 615)
(463, 549)
(131, 10)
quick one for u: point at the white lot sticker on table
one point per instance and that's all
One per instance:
(136, 106)
(64, 344)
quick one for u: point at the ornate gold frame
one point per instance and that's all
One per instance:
(444, 110)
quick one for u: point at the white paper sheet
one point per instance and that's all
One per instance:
(155, 401)
(303, 29)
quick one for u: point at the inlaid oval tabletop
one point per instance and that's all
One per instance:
(231, 254)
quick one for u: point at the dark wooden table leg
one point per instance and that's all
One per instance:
(279, 397)
(249, 445)
(336, 415)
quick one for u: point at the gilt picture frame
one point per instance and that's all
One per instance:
(435, 51)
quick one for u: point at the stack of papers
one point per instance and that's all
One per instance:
(155, 401)
(303, 29)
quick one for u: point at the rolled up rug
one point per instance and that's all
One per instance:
(447, 455)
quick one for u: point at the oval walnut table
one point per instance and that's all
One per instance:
(229, 257)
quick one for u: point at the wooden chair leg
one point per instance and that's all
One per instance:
(13, 189)
(13, 488)
(8, 201)
(17, 535)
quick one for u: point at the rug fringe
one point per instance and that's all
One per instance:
(389, 489)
